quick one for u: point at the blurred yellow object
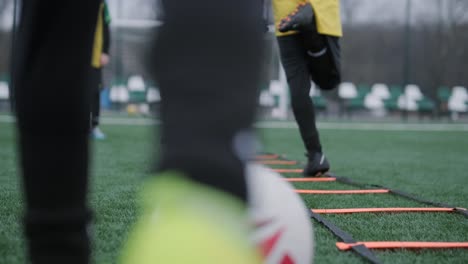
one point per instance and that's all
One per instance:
(185, 222)
(98, 39)
(132, 109)
(327, 15)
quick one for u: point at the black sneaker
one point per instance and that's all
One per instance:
(301, 18)
(316, 165)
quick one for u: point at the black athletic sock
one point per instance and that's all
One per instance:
(207, 67)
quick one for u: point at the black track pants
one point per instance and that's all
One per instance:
(51, 70)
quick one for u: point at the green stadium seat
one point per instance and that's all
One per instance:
(136, 89)
(355, 103)
(426, 105)
(443, 93)
(351, 97)
(319, 102)
(317, 98)
(363, 90)
(137, 97)
(443, 96)
(391, 103)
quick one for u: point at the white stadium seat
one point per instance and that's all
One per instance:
(119, 94)
(460, 93)
(407, 103)
(413, 92)
(136, 83)
(266, 99)
(373, 102)
(4, 91)
(314, 90)
(458, 100)
(380, 90)
(153, 95)
(347, 90)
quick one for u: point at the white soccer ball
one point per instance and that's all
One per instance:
(283, 228)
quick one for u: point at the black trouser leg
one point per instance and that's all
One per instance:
(96, 82)
(51, 68)
(207, 66)
(294, 60)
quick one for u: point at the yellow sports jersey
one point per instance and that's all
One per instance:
(327, 15)
(98, 39)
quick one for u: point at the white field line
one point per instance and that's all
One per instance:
(293, 125)
(369, 126)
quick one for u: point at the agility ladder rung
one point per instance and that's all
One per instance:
(311, 179)
(402, 245)
(342, 191)
(277, 162)
(384, 210)
(267, 157)
(288, 170)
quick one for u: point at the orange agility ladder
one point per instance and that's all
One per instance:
(277, 162)
(384, 210)
(312, 179)
(402, 245)
(267, 157)
(289, 170)
(342, 191)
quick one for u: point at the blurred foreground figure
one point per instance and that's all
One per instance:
(207, 64)
(308, 36)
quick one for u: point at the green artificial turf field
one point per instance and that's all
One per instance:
(433, 165)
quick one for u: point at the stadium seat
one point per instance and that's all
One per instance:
(347, 90)
(443, 96)
(136, 89)
(381, 91)
(319, 101)
(266, 99)
(391, 103)
(443, 93)
(363, 90)
(153, 96)
(460, 93)
(426, 105)
(413, 92)
(136, 83)
(119, 94)
(458, 100)
(352, 97)
(4, 91)
(373, 102)
(413, 100)
(407, 103)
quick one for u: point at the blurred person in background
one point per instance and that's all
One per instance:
(100, 59)
(194, 207)
(308, 35)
